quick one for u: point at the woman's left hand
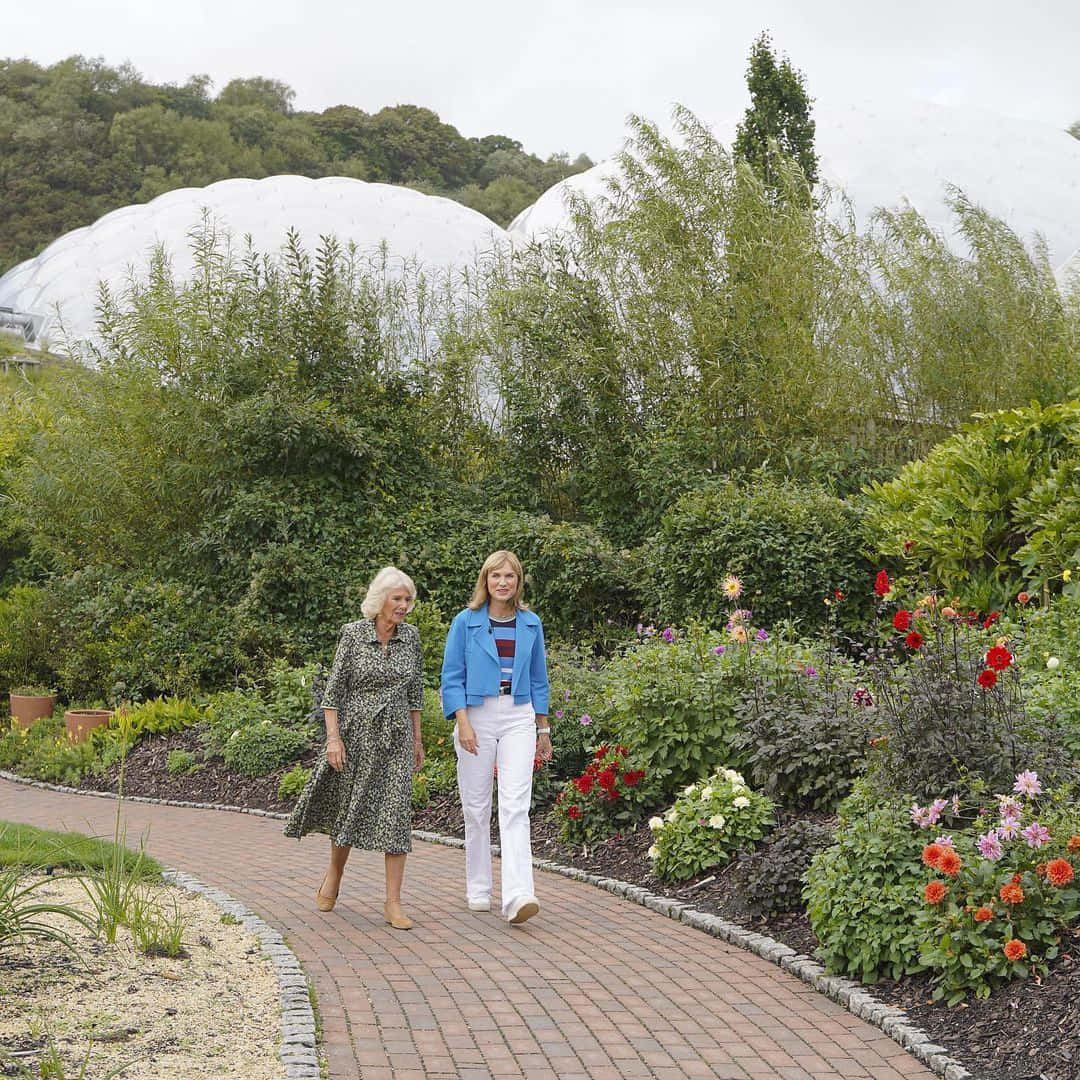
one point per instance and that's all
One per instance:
(543, 747)
(418, 757)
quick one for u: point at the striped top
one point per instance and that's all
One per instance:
(505, 632)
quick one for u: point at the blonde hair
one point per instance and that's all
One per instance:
(388, 578)
(496, 559)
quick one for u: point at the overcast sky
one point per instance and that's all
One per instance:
(562, 75)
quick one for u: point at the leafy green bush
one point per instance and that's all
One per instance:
(28, 624)
(293, 782)
(804, 740)
(1047, 645)
(710, 821)
(258, 749)
(672, 702)
(991, 507)
(950, 703)
(771, 879)
(608, 797)
(577, 688)
(794, 543)
(1002, 893)
(181, 763)
(859, 891)
(43, 752)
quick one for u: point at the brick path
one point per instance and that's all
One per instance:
(592, 987)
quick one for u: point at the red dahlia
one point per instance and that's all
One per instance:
(987, 679)
(914, 640)
(998, 658)
(902, 620)
(881, 583)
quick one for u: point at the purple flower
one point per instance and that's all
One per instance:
(863, 697)
(1035, 835)
(762, 635)
(720, 650)
(1027, 783)
(925, 816)
(945, 841)
(1009, 829)
(810, 672)
(558, 714)
(1010, 809)
(640, 629)
(668, 635)
(566, 696)
(585, 719)
(989, 846)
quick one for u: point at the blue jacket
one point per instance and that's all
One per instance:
(470, 669)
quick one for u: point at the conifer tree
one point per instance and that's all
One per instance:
(780, 110)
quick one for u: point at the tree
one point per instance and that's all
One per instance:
(780, 112)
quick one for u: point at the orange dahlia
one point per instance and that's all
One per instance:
(983, 914)
(1015, 950)
(950, 863)
(931, 855)
(1059, 872)
(935, 892)
(1012, 893)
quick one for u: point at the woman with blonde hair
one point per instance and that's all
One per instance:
(360, 794)
(495, 685)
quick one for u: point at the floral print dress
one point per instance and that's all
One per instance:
(373, 687)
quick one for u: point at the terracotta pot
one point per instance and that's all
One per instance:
(80, 722)
(25, 709)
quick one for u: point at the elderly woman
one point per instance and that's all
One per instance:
(360, 794)
(495, 685)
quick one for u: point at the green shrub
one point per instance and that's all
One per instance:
(771, 879)
(261, 748)
(610, 796)
(1047, 645)
(227, 714)
(935, 718)
(859, 892)
(293, 782)
(794, 544)
(804, 740)
(991, 507)
(999, 889)
(710, 822)
(673, 704)
(181, 763)
(577, 690)
(28, 626)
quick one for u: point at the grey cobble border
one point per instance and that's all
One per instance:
(298, 1052)
(892, 1021)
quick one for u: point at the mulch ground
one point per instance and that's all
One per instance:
(1028, 1030)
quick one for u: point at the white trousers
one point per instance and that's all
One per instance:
(505, 740)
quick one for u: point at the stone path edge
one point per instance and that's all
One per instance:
(846, 992)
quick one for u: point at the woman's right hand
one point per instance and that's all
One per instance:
(335, 753)
(466, 736)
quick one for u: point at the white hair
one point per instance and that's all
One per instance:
(387, 579)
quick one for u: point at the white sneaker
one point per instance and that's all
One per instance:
(479, 905)
(522, 910)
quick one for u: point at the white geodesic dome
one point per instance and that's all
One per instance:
(61, 283)
(884, 154)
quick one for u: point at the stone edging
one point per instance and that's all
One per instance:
(892, 1021)
(297, 1053)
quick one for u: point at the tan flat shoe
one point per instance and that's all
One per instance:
(322, 901)
(395, 916)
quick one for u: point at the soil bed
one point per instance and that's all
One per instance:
(1028, 1030)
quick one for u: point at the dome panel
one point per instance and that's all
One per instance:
(437, 232)
(883, 154)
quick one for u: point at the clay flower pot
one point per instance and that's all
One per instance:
(26, 708)
(80, 722)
